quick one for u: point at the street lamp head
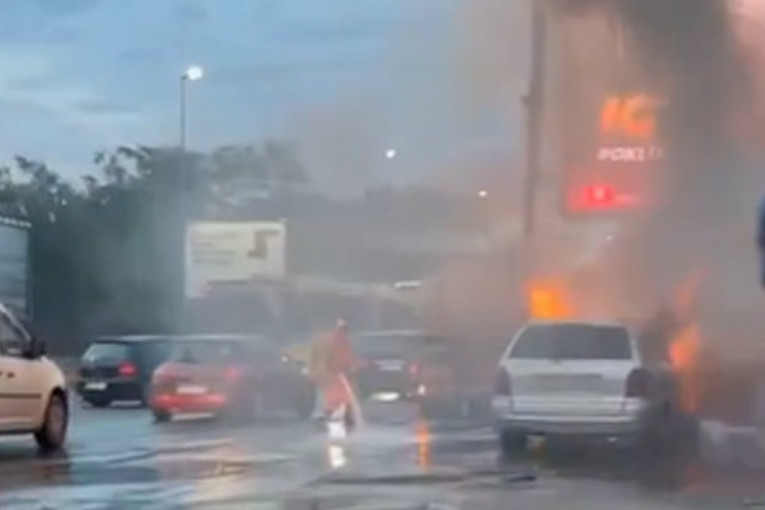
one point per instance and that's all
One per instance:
(193, 73)
(390, 153)
(483, 193)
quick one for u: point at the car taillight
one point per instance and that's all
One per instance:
(231, 373)
(127, 370)
(637, 383)
(414, 370)
(502, 384)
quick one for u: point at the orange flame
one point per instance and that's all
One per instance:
(685, 349)
(684, 354)
(549, 300)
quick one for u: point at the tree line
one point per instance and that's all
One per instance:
(106, 254)
(107, 251)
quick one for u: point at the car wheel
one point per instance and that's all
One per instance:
(682, 437)
(665, 450)
(512, 444)
(673, 435)
(651, 442)
(161, 416)
(52, 434)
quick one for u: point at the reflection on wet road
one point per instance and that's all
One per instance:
(118, 458)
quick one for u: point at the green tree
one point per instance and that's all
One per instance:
(107, 256)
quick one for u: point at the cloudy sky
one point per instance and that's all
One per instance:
(345, 78)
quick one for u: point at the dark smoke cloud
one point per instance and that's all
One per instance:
(688, 50)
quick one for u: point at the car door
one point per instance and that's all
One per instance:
(274, 381)
(9, 417)
(20, 395)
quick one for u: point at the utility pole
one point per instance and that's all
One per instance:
(193, 73)
(534, 105)
(182, 115)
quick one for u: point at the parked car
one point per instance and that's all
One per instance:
(119, 368)
(404, 365)
(236, 376)
(586, 381)
(33, 397)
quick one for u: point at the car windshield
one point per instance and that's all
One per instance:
(107, 352)
(573, 342)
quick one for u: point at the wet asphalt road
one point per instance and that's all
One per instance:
(118, 458)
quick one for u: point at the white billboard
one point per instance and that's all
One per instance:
(227, 252)
(14, 266)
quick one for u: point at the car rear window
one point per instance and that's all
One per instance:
(107, 353)
(396, 345)
(214, 352)
(573, 342)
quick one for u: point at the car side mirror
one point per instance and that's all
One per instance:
(37, 348)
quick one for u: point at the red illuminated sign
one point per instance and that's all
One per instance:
(632, 117)
(600, 197)
(617, 162)
(610, 118)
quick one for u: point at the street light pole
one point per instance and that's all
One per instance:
(182, 209)
(182, 115)
(534, 103)
(193, 73)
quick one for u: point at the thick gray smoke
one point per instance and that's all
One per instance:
(688, 50)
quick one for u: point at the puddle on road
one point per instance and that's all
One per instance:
(194, 482)
(140, 468)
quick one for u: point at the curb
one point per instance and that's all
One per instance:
(728, 446)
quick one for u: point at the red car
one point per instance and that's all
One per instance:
(228, 375)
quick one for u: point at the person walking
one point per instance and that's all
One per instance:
(332, 363)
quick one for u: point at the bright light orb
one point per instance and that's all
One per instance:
(194, 73)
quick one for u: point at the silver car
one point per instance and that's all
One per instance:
(583, 380)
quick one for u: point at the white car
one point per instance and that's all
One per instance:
(33, 397)
(584, 380)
